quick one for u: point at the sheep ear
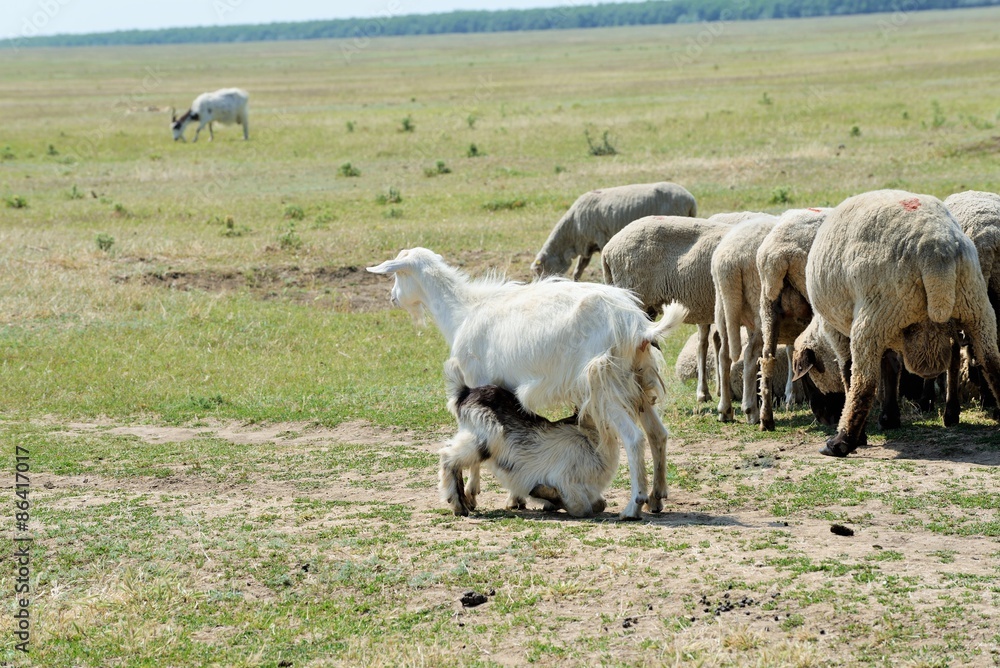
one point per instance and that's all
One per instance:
(802, 362)
(193, 117)
(389, 267)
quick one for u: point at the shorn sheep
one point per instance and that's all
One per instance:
(564, 464)
(663, 259)
(226, 105)
(891, 270)
(554, 343)
(781, 265)
(597, 215)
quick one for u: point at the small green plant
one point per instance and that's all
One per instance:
(439, 168)
(349, 170)
(118, 209)
(855, 131)
(289, 239)
(74, 193)
(294, 212)
(350, 126)
(939, 118)
(765, 99)
(407, 125)
(231, 229)
(504, 204)
(471, 120)
(16, 202)
(474, 151)
(781, 195)
(603, 148)
(906, 115)
(324, 218)
(393, 213)
(392, 197)
(7, 153)
(105, 242)
(52, 150)
(560, 169)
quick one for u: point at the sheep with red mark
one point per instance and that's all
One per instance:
(554, 343)
(893, 271)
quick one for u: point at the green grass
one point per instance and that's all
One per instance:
(219, 287)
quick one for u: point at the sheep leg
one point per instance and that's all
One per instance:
(751, 355)
(952, 403)
(581, 264)
(983, 337)
(703, 392)
(866, 350)
(889, 418)
(724, 366)
(656, 434)
(769, 346)
(246, 129)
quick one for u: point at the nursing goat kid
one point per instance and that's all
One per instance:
(553, 343)
(226, 105)
(563, 464)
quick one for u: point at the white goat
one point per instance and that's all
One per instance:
(564, 464)
(554, 343)
(226, 105)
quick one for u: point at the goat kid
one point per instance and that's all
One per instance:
(563, 464)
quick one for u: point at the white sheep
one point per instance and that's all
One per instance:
(554, 343)
(597, 215)
(891, 270)
(669, 258)
(226, 105)
(815, 365)
(564, 464)
(781, 266)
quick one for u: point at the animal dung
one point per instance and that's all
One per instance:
(471, 599)
(841, 530)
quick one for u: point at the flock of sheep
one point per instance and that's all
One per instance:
(887, 285)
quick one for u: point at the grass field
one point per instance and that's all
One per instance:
(232, 438)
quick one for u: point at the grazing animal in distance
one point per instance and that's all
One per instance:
(226, 105)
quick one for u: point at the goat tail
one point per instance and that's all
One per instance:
(673, 315)
(606, 393)
(454, 384)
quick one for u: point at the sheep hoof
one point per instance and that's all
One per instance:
(889, 420)
(840, 445)
(654, 505)
(726, 416)
(767, 424)
(704, 397)
(599, 505)
(951, 417)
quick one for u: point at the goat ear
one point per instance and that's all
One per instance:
(802, 362)
(389, 267)
(173, 115)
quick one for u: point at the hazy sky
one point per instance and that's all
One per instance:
(24, 18)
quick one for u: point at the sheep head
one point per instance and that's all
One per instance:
(549, 263)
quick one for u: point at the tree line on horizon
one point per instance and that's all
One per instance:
(653, 12)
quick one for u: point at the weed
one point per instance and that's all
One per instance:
(471, 120)
(393, 213)
(52, 150)
(16, 202)
(350, 126)
(294, 212)
(438, 168)
(105, 242)
(604, 148)
(474, 151)
(560, 169)
(781, 195)
(349, 170)
(7, 153)
(407, 125)
(289, 239)
(855, 131)
(231, 229)
(118, 209)
(766, 100)
(392, 197)
(324, 218)
(504, 204)
(74, 193)
(939, 118)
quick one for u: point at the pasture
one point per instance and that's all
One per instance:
(232, 438)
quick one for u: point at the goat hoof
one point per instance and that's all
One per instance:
(654, 505)
(704, 397)
(951, 417)
(840, 445)
(767, 424)
(726, 417)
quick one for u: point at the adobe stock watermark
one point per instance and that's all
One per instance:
(373, 27)
(33, 24)
(899, 18)
(695, 47)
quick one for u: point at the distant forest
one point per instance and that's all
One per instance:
(555, 18)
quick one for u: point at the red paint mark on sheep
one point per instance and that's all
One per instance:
(815, 210)
(911, 204)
